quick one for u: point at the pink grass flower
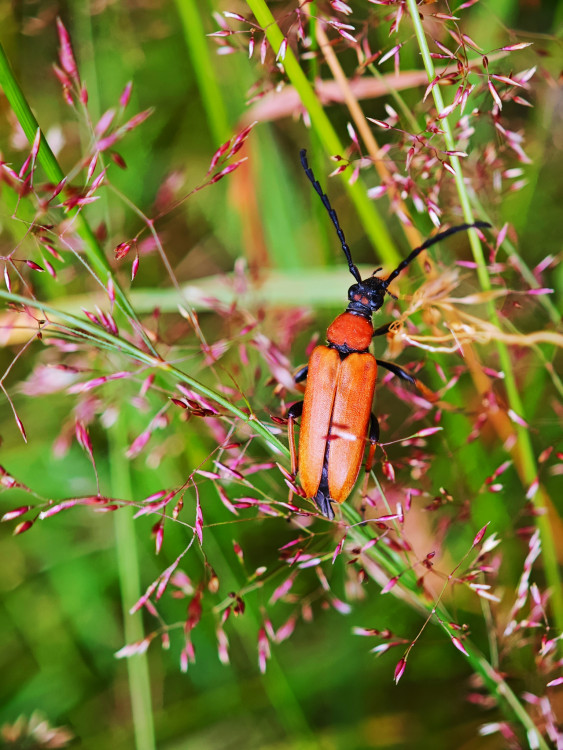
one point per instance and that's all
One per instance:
(399, 670)
(126, 95)
(283, 588)
(264, 651)
(198, 518)
(222, 646)
(21, 528)
(138, 647)
(10, 515)
(459, 645)
(66, 55)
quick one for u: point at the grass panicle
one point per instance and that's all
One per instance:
(161, 266)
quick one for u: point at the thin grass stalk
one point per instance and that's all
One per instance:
(316, 157)
(211, 95)
(507, 245)
(390, 562)
(47, 160)
(138, 673)
(104, 339)
(413, 235)
(130, 586)
(524, 455)
(523, 267)
(371, 221)
(508, 701)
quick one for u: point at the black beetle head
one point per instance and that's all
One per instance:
(367, 296)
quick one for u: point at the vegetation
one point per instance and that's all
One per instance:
(167, 268)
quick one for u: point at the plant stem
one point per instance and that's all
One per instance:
(393, 565)
(83, 328)
(129, 581)
(363, 127)
(372, 222)
(525, 463)
(202, 66)
(55, 174)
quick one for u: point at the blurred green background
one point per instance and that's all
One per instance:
(61, 613)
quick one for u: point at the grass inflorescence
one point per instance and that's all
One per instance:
(157, 305)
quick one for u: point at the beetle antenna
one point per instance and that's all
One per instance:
(432, 241)
(332, 213)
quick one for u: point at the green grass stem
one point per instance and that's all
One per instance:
(83, 328)
(130, 585)
(371, 221)
(524, 443)
(202, 66)
(47, 160)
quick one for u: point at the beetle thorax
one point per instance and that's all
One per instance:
(350, 332)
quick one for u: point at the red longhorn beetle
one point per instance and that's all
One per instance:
(341, 381)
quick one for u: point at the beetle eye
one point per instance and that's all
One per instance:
(376, 299)
(353, 292)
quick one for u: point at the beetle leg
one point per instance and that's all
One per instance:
(373, 429)
(382, 330)
(294, 411)
(373, 438)
(301, 374)
(404, 375)
(398, 371)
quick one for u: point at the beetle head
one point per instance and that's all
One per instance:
(367, 296)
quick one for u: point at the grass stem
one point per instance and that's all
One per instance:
(523, 454)
(129, 581)
(47, 160)
(371, 221)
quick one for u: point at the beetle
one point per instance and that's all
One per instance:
(336, 413)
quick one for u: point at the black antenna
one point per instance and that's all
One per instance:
(332, 213)
(432, 241)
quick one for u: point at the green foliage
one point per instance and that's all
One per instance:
(223, 338)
